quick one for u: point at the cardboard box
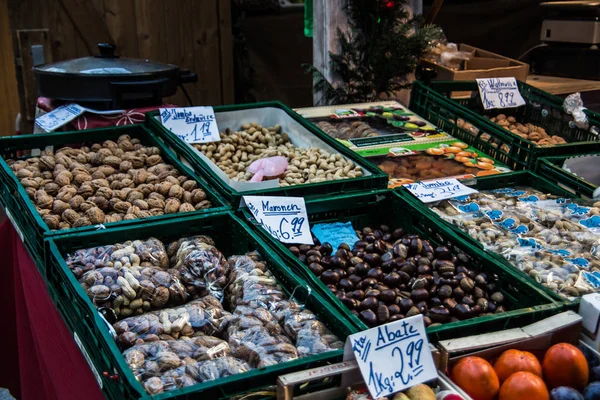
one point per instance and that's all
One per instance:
(589, 309)
(483, 64)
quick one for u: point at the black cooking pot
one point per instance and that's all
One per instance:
(109, 82)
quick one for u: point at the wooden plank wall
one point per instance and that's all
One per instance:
(192, 34)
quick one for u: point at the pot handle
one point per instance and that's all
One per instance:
(121, 89)
(187, 76)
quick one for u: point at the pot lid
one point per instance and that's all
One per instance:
(106, 63)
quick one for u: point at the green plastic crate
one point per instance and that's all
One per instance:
(434, 102)
(520, 178)
(21, 209)
(377, 180)
(551, 169)
(527, 302)
(232, 236)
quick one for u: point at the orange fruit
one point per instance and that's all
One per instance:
(464, 154)
(484, 165)
(524, 386)
(512, 361)
(565, 365)
(452, 149)
(460, 145)
(476, 377)
(434, 151)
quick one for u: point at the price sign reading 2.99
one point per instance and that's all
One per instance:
(392, 357)
(283, 217)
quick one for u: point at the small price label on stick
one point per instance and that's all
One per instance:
(59, 116)
(439, 189)
(499, 93)
(283, 217)
(335, 233)
(191, 124)
(392, 357)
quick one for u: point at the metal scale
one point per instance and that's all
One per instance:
(570, 38)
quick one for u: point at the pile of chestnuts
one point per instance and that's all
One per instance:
(389, 275)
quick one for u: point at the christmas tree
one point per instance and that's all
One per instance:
(382, 47)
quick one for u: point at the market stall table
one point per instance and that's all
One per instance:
(44, 360)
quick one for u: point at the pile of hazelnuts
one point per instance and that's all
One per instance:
(388, 275)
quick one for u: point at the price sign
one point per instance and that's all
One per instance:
(335, 234)
(283, 217)
(392, 357)
(59, 116)
(191, 124)
(499, 93)
(439, 189)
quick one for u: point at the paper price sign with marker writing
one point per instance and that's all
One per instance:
(499, 93)
(283, 217)
(191, 124)
(439, 189)
(392, 357)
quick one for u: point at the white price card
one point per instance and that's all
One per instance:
(439, 189)
(59, 116)
(283, 217)
(392, 357)
(191, 124)
(500, 93)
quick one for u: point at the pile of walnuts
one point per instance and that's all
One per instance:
(531, 132)
(104, 183)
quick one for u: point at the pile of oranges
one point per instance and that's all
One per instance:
(519, 375)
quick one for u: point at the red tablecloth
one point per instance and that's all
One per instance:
(39, 356)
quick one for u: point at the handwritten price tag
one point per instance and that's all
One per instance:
(59, 116)
(335, 234)
(437, 190)
(283, 217)
(500, 93)
(392, 357)
(191, 124)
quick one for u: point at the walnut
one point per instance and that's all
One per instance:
(172, 206)
(66, 193)
(51, 188)
(157, 211)
(169, 174)
(122, 207)
(53, 221)
(186, 207)
(85, 191)
(181, 179)
(45, 175)
(76, 202)
(129, 217)
(137, 162)
(82, 158)
(113, 218)
(135, 195)
(59, 206)
(95, 215)
(187, 197)
(109, 144)
(155, 203)
(133, 210)
(153, 160)
(127, 183)
(189, 185)
(160, 297)
(146, 189)
(30, 182)
(126, 145)
(107, 170)
(139, 176)
(176, 191)
(58, 169)
(143, 214)
(198, 195)
(70, 216)
(152, 179)
(99, 156)
(105, 192)
(155, 195)
(80, 178)
(125, 166)
(98, 183)
(47, 163)
(82, 221)
(64, 178)
(63, 160)
(64, 225)
(30, 192)
(43, 212)
(98, 175)
(202, 205)
(25, 173)
(162, 188)
(99, 201)
(86, 205)
(141, 204)
(43, 199)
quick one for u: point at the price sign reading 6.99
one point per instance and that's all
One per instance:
(392, 357)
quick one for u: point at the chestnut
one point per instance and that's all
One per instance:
(442, 253)
(424, 270)
(349, 302)
(326, 249)
(450, 303)
(330, 277)
(462, 311)
(481, 280)
(397, 233)
(445, 291)
(388, 296)
(405, 304)
(373, 259)
(355, 279)
(479, 293)
(375, 273)
(394, 309)
(295, 250)
(412, 312)
(362, 269)
(458, 293)
(313, 252)
(373, 293)
(467, 284)
(368, 303)
(344, 246)
(400, 251)
(302, 258)
(368, 317)
(355, 260)
(497, 298)
(383, 314)
(483, 304)
(304, 248)
(366, 283)
(315, 268)
(358, 295)
(439, 314)
(345, 284)
(468, 300)
(419, 295)
(435, 301)
(395, 317)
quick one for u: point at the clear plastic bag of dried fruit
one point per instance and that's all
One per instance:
(201, 266)
(192, 374)
(252, 283)
(205, 315)
(155, 358)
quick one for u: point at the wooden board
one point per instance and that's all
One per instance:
(8, 81)
(558, 86)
